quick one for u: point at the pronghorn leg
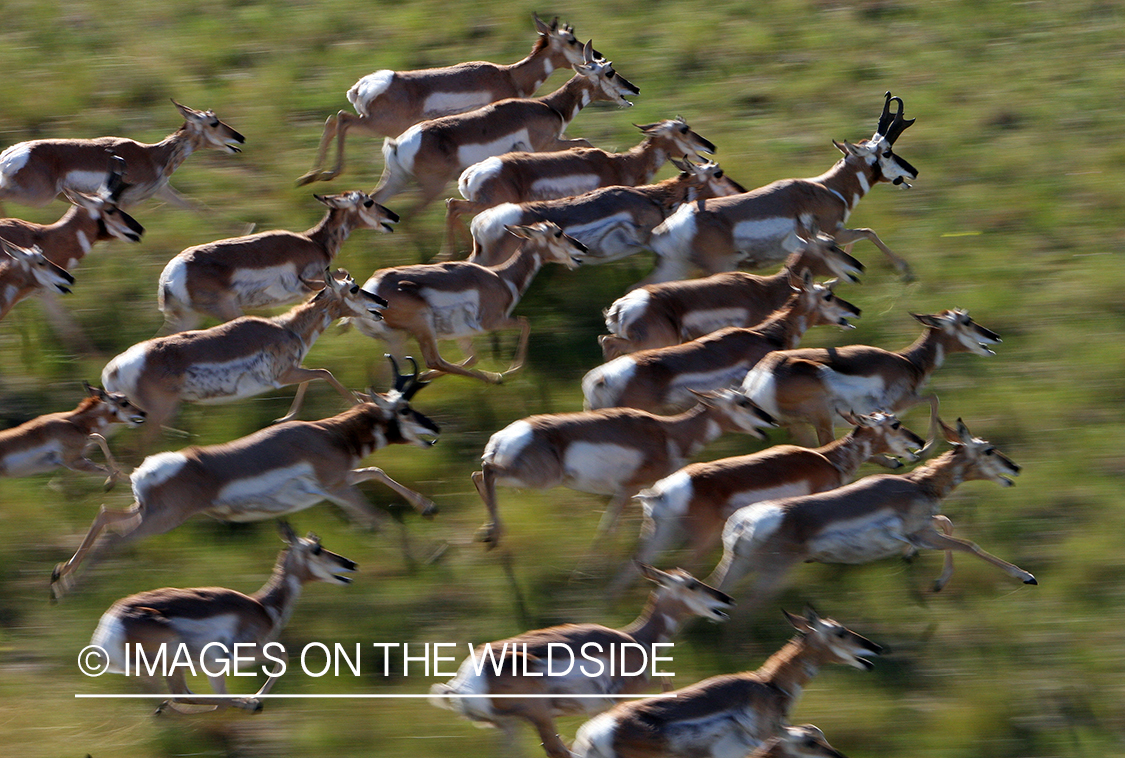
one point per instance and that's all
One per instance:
(356, 506)
(544, 724)
(421, 503)
(122, 521)
(929, 538)
(521, 323)
(427, 342)
(83, 463)
(173, 196)
(485, 482)
(177, 685)
(466, 345)
(315, 174)
(607, 525)
(946, 526)
(455, 229)
(303, 376)
(845, 236)
(63, 322)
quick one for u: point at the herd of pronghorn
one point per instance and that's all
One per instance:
(719, 353)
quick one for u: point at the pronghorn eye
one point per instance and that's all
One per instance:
(355, 288)
(887, 154)
(609, 74)
(558, 234)
(896, 425)
(990, 451)
(369, 203)
(315, 550)
(683, 130)
(215, 124)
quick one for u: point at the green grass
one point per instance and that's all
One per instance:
(1016, 215)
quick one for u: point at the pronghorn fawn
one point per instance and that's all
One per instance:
(817, 385)
(241, 358)
(221, 278)
(35, 172)
(665, 377)
(25, 272)
(274, 472)
(660, 315)
(612, 222)
(584, 660)
(526, 177)
(435, 152)
(615, 451)
(63, 439)
(387, 103)
(692, 504)
(876, 517)
(748, 229)
(729, 715)
(200, 627)
(460, 299)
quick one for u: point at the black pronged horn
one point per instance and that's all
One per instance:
(115, 178)
(406, 384)
(891, 125)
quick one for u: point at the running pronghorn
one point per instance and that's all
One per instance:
(241, 358)
(694, 503)
(33, 173)
(877, 517)
(435, 152)
(25, 272)
(274, 472)
(660, 315)
(596, 659)
(390, 102)
(63, 439)
(818, 385)
(460, 299)
(526, 177)
(211, 625)
(748, 229)
(729, 715)
(612, 222)
(221, 278)
(615, 451)
(667, 376)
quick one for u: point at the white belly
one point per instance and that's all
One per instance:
(467, 155)
(273, 285)
(445, 103)
(85, 181)
(505, 447)
(599, 467)
(757, 233)
(454, 314)
(272, 493)
(33, 460)
(609, 237)
(700, 322)
(231, 380)
(552, 187)
(861, 540)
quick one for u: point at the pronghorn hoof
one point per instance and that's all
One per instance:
(429, 509)
(161, 708)
(489, 534)
(253, 705)
(1032, 580)
(109, 483)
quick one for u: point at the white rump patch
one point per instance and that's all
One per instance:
(399, 154)
(368, 88)
(626, 311)
(472, 153)
(154, 471)
(477, 174)
(595, 737)
(751, 526)
(674, 237)
(505, 447)
(760, 385)
(122, 373)
(110, 636)
(669, 497)
(602, 386)
(173, 283)
(12, 160)
(487, 227)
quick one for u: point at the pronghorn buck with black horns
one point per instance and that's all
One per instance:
(33, 173)
(25, 272)
(819, 385)
(612, 222)
(221, 278)
(667, 376)
(614, 452)
(63, 439)
(241, 358)
(729, 715)
(692, 504)
(748, 229)
(211, 624)
(526, 177)
(878, 517)
(434, 153)
(387, 102)
(596, 659)
(660, 315)
(460, 299)
(274, 472)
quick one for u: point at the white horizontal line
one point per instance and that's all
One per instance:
(453, 696)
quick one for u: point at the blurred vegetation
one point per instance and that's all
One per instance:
(1016, 216)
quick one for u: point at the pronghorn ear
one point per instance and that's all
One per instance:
(950, 434)
(963, 433)
(97, 392)
(649, 572)
(523, 232)
(540, 25)
(646, 127)
(930, 321)
(800, 281)
(189, 114)
(800, 623)
(840, 147)
(287, 534)
(684, 166)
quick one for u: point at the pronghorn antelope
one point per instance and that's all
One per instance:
(877, 517)
(613, 222)
(694, 503)
(92, 218)
(238, 359)
(459, 299)
(660, 315)
(748, 229)
(725, 716)
(615, 451)
(526, 177)
(274, 472)
(25, 271)
(665, 377)
(804, 741)
(390, 102)
(816, 385)
(435, 152)
(63, 439)
(208, 622)
(221, 278)
(33, 173)
(531, 663)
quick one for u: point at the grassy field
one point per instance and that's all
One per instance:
(1016, 215)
